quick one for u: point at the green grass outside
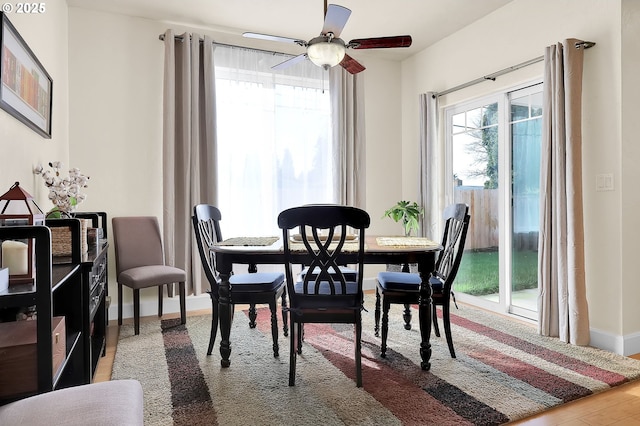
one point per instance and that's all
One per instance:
(478, 273)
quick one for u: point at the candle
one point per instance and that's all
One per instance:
(15, 257)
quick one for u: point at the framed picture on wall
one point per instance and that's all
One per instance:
(26, 87)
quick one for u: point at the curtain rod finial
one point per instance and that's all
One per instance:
(584, 44)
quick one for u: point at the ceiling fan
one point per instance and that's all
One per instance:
(328, 49)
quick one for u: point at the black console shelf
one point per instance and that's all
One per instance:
(57, 291)
(74, 287)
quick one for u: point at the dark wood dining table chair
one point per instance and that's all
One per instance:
(404, 288)
(247, 288)
(325, 294)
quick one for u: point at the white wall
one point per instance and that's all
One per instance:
(383, 111)
(519, 32)
(20, 147)
(115, 74)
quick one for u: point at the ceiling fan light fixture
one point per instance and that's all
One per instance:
(326, 54)
(328, 49)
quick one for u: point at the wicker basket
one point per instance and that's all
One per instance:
(61, 239)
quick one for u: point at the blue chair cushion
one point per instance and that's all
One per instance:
(406, 281)
(325, 287)
(399, 281)
(325, 300)
(349, 274)
(260, 281)
(437, 285)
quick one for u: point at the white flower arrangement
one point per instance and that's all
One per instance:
(65, 192)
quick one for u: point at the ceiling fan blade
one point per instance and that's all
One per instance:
(351, 65)
(290, 62)
(380, 42)
(274, 38)
(335, 19)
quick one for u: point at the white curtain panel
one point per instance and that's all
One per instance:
(189, 143)
(347, 112)
(274, 133)
(431, 159)
(562, 303)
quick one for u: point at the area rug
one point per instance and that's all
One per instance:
(504, 371)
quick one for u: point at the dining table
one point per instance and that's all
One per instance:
(393, 250)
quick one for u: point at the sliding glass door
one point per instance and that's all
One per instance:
(473, 142)
(485, 138)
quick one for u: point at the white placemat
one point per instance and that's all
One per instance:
(406, 242)
(248, 241)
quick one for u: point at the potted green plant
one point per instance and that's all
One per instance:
(409, 213)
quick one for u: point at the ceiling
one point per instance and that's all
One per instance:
(427, 21)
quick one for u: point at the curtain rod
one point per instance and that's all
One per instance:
(492, 77)
(180, 37)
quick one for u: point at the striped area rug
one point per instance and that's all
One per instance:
(504, 372)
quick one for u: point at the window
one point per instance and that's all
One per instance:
(485, 138)
(274, 140)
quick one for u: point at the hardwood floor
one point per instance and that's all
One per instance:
(618, 406)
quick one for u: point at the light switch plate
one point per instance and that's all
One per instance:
(604, 182)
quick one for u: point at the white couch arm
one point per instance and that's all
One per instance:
(114, 403)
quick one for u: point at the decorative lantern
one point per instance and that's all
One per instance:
(18, 208)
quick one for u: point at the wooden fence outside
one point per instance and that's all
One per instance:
(484, 225)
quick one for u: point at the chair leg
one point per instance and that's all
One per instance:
(252, 315)
(273, 306)
(385, 327)
(300, 336)
(136, 311)
(183, 303)
(407, 316)
(214, 323)
(160, 287)
(285, 324)
(119, 304)
(436, 328)
(358, 345)
(293, 339)
(447, 328)
(376, 327)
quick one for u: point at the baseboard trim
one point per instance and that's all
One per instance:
(170, 305)
(621, 345)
